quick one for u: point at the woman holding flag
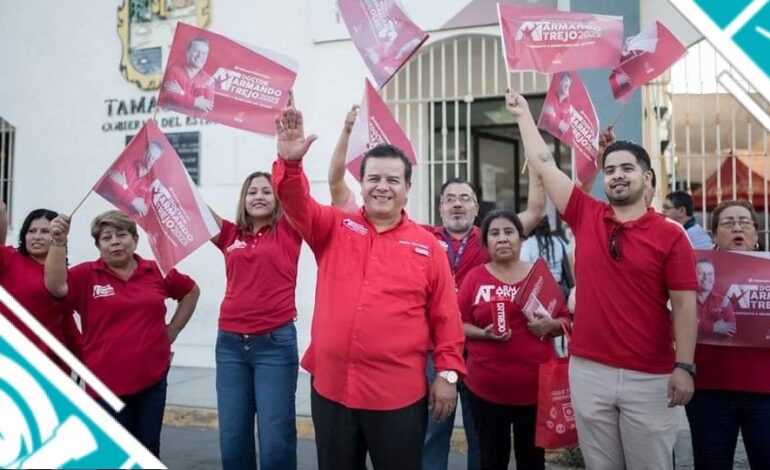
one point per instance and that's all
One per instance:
(732, 386)
(22, 275)
(256, 350)
(503, 365)
(121, 300)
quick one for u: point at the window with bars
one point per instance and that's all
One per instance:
(7, 143)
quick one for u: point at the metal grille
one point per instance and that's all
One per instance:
(434, 99)
(7, 143)
(718, 150)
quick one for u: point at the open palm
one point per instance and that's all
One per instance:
(290, 135)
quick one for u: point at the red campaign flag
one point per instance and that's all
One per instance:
(539, 294)
(148, 183)
(733, 298)
(569, 115)
(212, 77)
(551, 41)
(645, 57)
(385, 37)
(374, 125)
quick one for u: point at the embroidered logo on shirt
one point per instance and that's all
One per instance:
(443, 245)
(355, 226)
(103, 291)
(237, 244)
(421, 251)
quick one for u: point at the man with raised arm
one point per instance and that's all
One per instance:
(458, 208)
(384, 293)
(625, 375)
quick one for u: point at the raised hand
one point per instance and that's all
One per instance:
(516, 104)
(350, 119)
(60, 227)
(290, 138)
(174, 87)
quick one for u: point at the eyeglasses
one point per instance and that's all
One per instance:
(615, 243)
(463, 198)
(729, 223)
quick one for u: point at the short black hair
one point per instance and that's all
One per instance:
(31, 217)
(681, 199)
(500, 214)
(456, 180)
(654, 180)
(642, 157)
(387, 151)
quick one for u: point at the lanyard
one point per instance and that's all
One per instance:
(454, 258)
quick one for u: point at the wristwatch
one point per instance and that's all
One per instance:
(450, 376)
(685, 366)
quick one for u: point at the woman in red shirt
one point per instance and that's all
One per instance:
(256, 349)
(732, 386)
(21, 274)
(503, 368)
(121, 300)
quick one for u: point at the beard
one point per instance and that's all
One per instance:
(627, 199)
(461, 225)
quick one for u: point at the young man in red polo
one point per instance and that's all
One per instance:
(625, 375)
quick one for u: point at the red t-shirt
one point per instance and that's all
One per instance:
(621, 317)
(473, 254)
(380, 299)
(261, 277)
(125, 341)
(24, 278)
(503, 372)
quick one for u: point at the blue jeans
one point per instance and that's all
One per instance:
(435, 454)
(143, 415)
(257, 374)
(715, 417)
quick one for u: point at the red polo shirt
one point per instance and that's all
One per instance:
(502, 372)
(474, 253)
(125, 341)
(380, 299)
(261, 277)
(24, 278)
(621, 317)
(714, 309)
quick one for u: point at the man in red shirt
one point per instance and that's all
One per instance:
(384, 293)
(190, 88)
(625, 375)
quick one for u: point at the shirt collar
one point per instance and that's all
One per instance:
(690, 223)
(141, 265)
(642, 222)
(404, 219)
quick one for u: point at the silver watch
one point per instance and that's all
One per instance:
(450, 376)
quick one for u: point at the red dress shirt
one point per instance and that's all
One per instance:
(380, 299)
(261, 277)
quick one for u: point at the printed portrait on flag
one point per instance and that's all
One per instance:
(148, 182)
(569, 115)
(645, 57)
(190, 88)
(733, 298)
(211, 77)
(556, 117)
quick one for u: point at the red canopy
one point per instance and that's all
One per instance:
(742, 175)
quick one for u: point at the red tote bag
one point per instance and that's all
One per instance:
(555, 425)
